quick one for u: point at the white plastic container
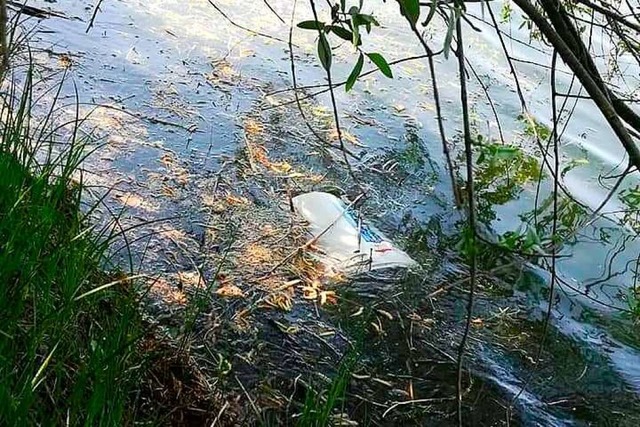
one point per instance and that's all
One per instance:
(346, 243)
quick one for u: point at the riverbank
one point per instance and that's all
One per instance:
(70, 331)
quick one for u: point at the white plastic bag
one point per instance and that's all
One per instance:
(347, 244)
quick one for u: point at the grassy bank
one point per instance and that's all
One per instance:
(68, 330)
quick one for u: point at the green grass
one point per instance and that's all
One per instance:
(319, 406)
(68, 356)
(633, 302)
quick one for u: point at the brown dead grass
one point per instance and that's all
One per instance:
(257, 254)
(167, 292)
(177, 387)
(191, 279)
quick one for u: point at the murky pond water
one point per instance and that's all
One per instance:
(180, 79)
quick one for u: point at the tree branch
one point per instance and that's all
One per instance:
(610, 14)
(235, 24)
(471, 211)
(334, 105)
(595, 88)
(436, 97)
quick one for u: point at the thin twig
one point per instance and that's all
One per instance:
(471, 211)
(215, 420)
(554, 230)
(315, 239)
(439, 118)
(336, 85)
(294, 80)
(445, 287)
(253, 405)
(93, 16)
(334, 105)
(412, 402)
(573, 52)
(523, 103)
(344, 82)
(242, 27)
(611, 14)
(611, 193)
(485, 89)
(273, 11)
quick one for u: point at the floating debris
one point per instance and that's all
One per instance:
(343, 241)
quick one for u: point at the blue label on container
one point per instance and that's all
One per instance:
(368, 235)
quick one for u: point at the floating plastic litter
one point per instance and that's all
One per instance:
(347, 243)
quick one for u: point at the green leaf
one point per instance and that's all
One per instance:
(363, 19)
(573, 164)
(410, 9)
(343, 33)
(355, 73)
(311, 25)
(432, 12)
(324, 51)
(481, 158)
(505, 13)
(506, 152)
(356, 32)
(381, 63)
(335, 9)
(368, 19)
(449, 36)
